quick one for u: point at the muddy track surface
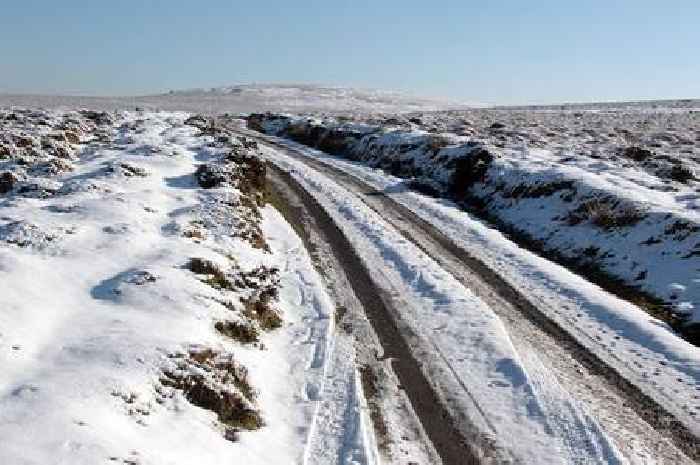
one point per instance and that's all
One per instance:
(449, 443)
(641, 428)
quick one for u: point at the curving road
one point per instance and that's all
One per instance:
(638, 427)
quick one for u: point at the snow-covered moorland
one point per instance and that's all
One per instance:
(153, 309)
(613, 191)
(246, 98)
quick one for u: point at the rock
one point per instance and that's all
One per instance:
(497, 125)
(7, 182)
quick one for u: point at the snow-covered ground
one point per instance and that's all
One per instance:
(111, 337)
(248, 98)
(303, 97)
(641, 348)
(153, 310)
(465, 349)
(615, 190)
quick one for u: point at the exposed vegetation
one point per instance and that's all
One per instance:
(215, 382)
(606, 213)
(241, 332)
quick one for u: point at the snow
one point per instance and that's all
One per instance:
(575, 195)
(463, 345)
(290, 97)
(248, 98)
(641, 348)
(336, 426)
(96, 303)
(96, 300)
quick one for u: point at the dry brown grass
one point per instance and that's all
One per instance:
(241, 332)
(606, 213)
(217, 383)
(215, 277)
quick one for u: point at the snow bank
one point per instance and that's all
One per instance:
(498, 392)
(596, 215)
(149, 315)
(640, 348)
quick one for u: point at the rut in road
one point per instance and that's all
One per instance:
(448, 441)
(618, 402)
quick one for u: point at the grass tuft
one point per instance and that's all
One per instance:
(606, 213)
(241, 332)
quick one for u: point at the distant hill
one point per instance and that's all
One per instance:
(309, 97)
(299, 98)
(248, 98)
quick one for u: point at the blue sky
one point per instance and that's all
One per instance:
(496, 51)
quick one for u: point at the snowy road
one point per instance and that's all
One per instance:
(406, 331)
(491, 347)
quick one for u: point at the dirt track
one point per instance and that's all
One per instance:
(620, 406)
(300, 209)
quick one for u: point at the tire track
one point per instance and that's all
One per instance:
(640, 415)
(450, 444)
